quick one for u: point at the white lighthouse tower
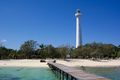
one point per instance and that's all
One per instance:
(78, 29)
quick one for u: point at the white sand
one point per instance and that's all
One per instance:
(71, 63)
(91, 63)
(22, 63)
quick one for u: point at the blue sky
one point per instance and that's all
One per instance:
(53, 21)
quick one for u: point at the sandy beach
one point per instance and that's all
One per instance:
(71, 63)
(91, 63)
(22, 63)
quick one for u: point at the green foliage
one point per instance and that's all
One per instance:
(3, 53)
(42, 51)
(63, 51)
(96, 50)
(51, 51)
(48, 51)
(30, 50)
(118, 54)
(13, 54)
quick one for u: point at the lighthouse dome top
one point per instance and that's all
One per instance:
(77, 14)
(78, 10)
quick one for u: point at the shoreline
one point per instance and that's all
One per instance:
(22, 63)
(91, 63)
(69, 62)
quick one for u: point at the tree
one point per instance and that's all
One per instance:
(118, 54)
(51, 52)
(28, 48)
(13, 54)
(84, 51)
(118, 51)
(41, 51)
(47, 51)
(3, 53)
(63, 51)
(96, 50)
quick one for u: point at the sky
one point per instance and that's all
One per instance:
(54, 22)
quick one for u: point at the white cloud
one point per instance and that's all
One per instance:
(3, 40)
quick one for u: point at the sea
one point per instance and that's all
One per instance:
(23, 73)
(112, 73)
(26, 73)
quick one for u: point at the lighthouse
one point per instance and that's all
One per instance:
(78, 29)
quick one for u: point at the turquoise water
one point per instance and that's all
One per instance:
(21, 73)
(111, 73)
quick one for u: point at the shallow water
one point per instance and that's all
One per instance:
(21, 73)
(111, 73)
